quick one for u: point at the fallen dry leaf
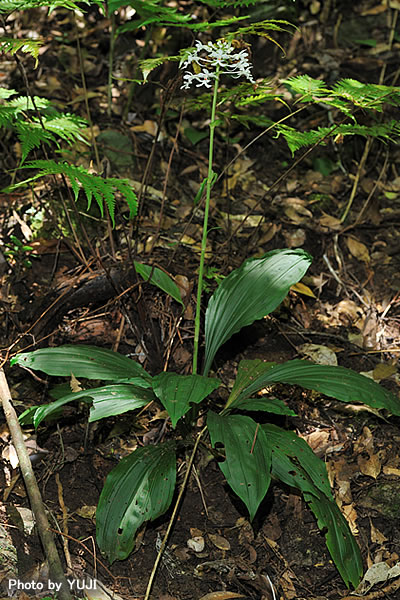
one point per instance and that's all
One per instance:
(370, 466)
(377, 536)
(358, 250)
(300, 288)
(383, 371)
(322, 355)
(219, 542)
(221, 596)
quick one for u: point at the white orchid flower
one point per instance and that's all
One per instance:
(221, 56)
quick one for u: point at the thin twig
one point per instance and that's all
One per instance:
(173, 516)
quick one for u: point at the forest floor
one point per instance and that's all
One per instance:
(351, 317)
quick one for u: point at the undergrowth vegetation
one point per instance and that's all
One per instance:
(251, 451)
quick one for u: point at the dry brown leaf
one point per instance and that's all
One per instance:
(148, 126)
(370, 466)
(221, 596)
(196, 543)
(322, 355)
(219, 542)
(288, 589)
(329, 222)
(86, 512)
(351, 517)
(302, 289)
(365, 443)
(74, 384)
(269, 230)
(184, 285)
(377, 536)
(391, 471)
(294, 239)
(358, 250)
(383, 371)
(318, 440)
(298, 213)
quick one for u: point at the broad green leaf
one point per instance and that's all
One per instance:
(83, 361)
(176, 392)
(248, 371)
(340, 542)
(248, 456)
(160, 279)
(294, 463)
(271, 405)
(249, 293)
(340, 383)
(139, 489)
(298, 453)
(117, 399)
(108, 401)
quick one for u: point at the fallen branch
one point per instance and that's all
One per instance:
(55, 568)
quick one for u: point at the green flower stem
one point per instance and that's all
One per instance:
(205, 225)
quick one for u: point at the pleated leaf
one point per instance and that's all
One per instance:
(248, 371)
(340, 383)
(177, 392)
(271, 405)
(340, 542)
(89, 362)
(249, 293)
(163, 281)
(139, 489)
(294, 463)
(247, 465)
(109, 400)
(298, 452)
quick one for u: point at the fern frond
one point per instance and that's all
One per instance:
(234, 3)
(296, 139)
(24, 103)
(261, 27)
(345, 94)
(25, 45)
(151, 11)
(258, 120)
(8, 6)
(149, 64)
(67, 126)
(32, 131)
(308, 87)
(32, 135)
(102, 190)
(367, 95)
(5, 93)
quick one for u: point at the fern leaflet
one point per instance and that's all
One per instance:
(102, 190)
(296, 139)
(8, 6)
(25, 45)
(15, 113)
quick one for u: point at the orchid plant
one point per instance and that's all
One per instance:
(223, 60)
(141, 487)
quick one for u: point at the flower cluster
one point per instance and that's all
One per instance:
(219, 55)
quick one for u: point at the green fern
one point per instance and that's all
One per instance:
(25, 45)
(102, 190)
(367, 95)
(20, 114)
(8, 6)
(345, 94)
(308, 87)
(234, 3)
(297, 139)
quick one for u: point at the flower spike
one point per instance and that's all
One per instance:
(221, 57)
